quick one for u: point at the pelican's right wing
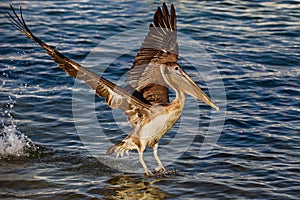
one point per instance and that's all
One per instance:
(116, 97)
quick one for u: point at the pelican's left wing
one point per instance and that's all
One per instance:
(131, 103)
(159, 47)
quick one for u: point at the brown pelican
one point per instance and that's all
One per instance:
(154, 70)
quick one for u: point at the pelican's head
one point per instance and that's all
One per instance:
(180, 81)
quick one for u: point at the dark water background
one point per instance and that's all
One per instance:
(255, 46)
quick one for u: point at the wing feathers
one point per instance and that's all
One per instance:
(159, 47)
(173, 18)
(116, 97)
(166, 14)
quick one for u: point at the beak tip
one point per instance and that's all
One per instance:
(215, 107)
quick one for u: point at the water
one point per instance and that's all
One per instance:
(255, 46)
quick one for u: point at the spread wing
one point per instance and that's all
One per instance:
(159, 47)
(131, 102)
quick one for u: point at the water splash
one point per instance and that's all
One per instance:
(13, 143)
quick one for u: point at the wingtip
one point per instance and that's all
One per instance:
(11, 6)
(164, 5)
(163, 19)
(172, 6)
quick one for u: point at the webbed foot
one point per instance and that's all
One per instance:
(163, 173)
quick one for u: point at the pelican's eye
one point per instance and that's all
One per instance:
(176, 68)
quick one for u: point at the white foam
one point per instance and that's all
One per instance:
(12, 141)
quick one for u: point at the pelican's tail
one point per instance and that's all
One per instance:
(122, 147)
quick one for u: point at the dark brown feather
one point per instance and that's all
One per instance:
(166, 15)
(159, 47)
(173, 17)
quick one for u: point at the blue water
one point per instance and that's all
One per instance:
(255, 48)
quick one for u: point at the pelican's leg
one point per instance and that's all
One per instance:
(143, 163)
(160, 166)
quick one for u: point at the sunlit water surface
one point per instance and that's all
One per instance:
(255, 48)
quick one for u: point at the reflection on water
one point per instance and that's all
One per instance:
(134, 187)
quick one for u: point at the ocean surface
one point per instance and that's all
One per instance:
(54, 131)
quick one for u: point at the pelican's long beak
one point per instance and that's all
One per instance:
(190, 87)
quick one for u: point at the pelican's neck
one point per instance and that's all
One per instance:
(180, 98)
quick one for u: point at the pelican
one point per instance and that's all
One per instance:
(146, 102)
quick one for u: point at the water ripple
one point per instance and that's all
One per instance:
(255, 45)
